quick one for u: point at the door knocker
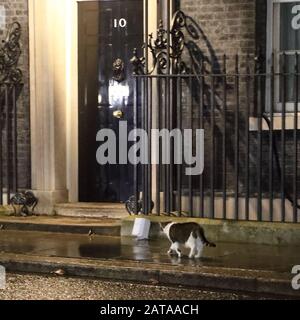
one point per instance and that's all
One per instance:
(119, 71)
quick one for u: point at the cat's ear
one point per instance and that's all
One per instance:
(163, 225)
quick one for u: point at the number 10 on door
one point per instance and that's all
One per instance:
(120, 23)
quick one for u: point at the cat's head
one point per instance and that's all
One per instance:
(163, 225)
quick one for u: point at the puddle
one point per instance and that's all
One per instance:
(99, 247)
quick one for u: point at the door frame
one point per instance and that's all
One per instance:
(74, 136)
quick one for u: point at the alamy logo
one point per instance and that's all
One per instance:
(2, 17)
(188, 147)
(296, 279)
(2, 278)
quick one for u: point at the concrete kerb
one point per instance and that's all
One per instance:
(268, 233)
(210, 278)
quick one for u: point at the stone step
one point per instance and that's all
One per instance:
(91, 210)
(56, 224)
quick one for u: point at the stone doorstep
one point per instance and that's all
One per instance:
(91, 210)
(256, 282)
(104, 227)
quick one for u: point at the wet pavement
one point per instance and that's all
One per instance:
(229, 255)
(36, 287)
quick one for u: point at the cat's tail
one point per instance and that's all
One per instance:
(201, 235)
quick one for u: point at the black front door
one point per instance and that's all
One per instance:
(108, 32)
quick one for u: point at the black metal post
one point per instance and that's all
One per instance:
(237, 138)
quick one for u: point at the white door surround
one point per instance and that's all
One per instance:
(53, 93)
(54, 99)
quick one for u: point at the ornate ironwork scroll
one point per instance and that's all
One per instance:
(181, 27)
(26, 200)
(136, 207)
(10, 54)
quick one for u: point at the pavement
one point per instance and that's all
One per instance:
(229, 255)
(88, 247)
(77, 225)
(41, 287)
(256, 269)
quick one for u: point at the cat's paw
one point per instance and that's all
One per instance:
(170, 252)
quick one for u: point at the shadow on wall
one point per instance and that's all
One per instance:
(227, 99)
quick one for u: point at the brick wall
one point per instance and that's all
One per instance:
(17, 10)
(229, 25)
(234, 27)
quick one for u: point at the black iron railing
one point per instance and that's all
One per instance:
(10, 89)
(248, 109)
(9, 141)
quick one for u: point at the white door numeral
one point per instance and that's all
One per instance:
(120, 23)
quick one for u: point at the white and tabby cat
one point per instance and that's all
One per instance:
(191, 235)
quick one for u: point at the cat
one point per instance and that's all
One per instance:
(191, 235)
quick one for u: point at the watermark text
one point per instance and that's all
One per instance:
(156, 147)
(296, 279)
(2, 278)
